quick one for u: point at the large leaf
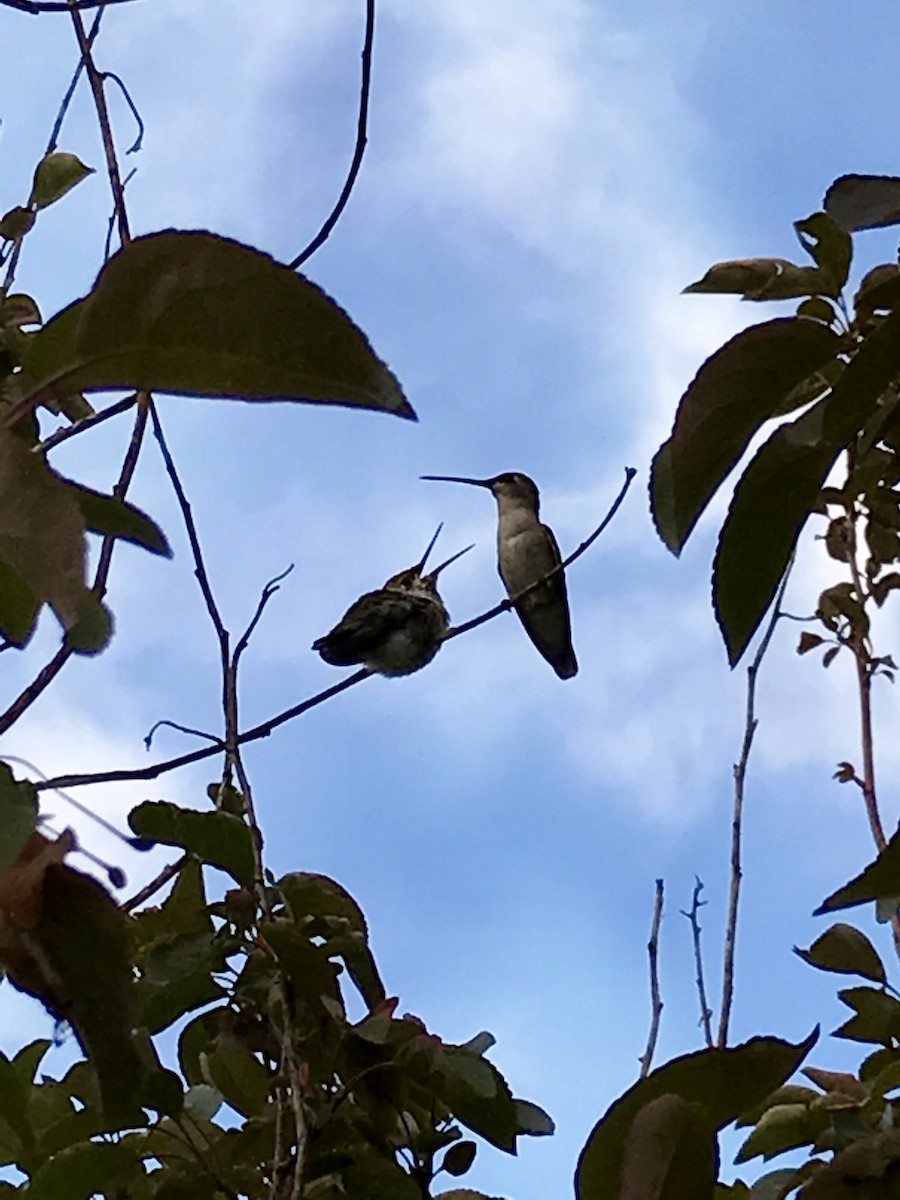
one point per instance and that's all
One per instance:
(42, 551)
(200, 315)
(114, 517)
(879, 881)
(18, 815)
(864, 201)
(781, 485)
(725, 1082)
(742, 385)
(846, 951)
(217, 838)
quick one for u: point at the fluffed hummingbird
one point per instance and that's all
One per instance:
(396, 630)
(526, 551)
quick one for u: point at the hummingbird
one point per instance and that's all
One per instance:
(396, 630)
(527, 550)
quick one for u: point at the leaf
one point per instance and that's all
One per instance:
(670, 1153)
(178, 977)
(533, 1120)
(846, 951)
(18, 815)
(736, 390)
(809, 641)
(459, 1158)
(41, 543)
(478, 1095)
(783, 1127)
(217, 838)
(80, 1171)
(879, 881)
(830, 247)
(879, 290)
(239, 1076)
(113, 517)
(781, 486)
(865, 1170)
(818, 309)
(18, 309)
(200, 315)
(726, 1082)
(864, 201)
(16, 223)
(56, 174)
(760, 279)
(876, 1016)
(776, 1185)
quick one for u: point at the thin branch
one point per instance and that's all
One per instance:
(53, 140)
(190, 528)
(45, 6)
(740, 776)
(109, 148)
(126, 96)
(69, 431)
(198, 733)
(150, 889)
(267, 593)
(693, 915)
(360, 148)
(656, 1004)
(296, 710)
(511, 601)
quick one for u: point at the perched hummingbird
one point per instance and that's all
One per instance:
(395, 630)
(527, 550)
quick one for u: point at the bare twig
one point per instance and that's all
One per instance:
(69, 431)
(198, 733)
(740, 776)
(356, 162)
(267, 593)
(109, 148)
(656, 1004)
(693, 915)
(150, 889)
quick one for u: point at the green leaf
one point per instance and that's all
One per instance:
(41, 542)
(177, 978)
(18, 310)
(781, 487)
(758, 279)
(200, 315)
(56, 174)
(726, 1082)
(879, 881)
(18, 815)
(478, 1095)
(736, 390)
(670, 1152)
(112, 517)
(93, 629)
(829, 245)
(876, 1016)
(865, 1170)
(16, 223)
(14, 1093)
(239, 1076)
(784, 1127)
(81, 1171)
(776, 1185)
(217, 838)
(864, 201)
(533, 1120)
(846, 951)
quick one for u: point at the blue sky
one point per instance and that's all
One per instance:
(542, 179)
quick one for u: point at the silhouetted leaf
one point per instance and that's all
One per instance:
(200, 315)
(864, 201)
(781, 486)
(18, 815)
(726, 1082)
(829, 245)
(876, 1016)
(868, 1169)
(783, 1127)
(81, 1171)
(736, 390)
(112, 517)
(879, 881)
(459, 1158)
(846, 951)
(670, 1152)
(217, 838)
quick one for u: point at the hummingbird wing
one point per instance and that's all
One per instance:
(366, 624)
(545, 611)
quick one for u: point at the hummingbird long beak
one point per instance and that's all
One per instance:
(437, 570)
(485, 483)
(422, 561)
